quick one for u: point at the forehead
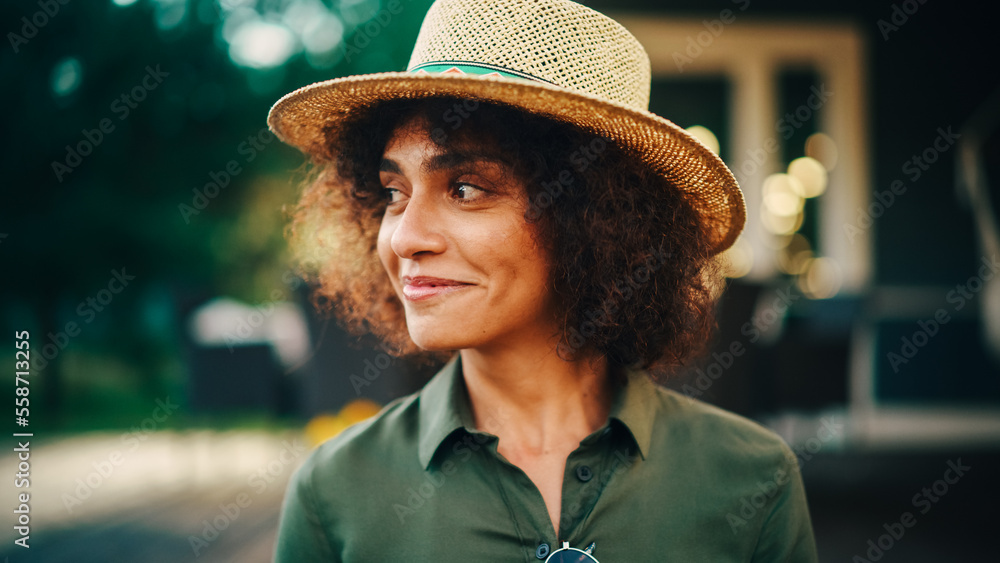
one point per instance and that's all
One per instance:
(417, 140)
(408, 139)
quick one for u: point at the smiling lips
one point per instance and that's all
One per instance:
(421, 287)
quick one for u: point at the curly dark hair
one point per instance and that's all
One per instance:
(632, 267)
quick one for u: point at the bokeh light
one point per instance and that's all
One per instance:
(357, 12)
(705, 135)
(265, 41)
(780, 224)
(811, 174)
(794, 257)
(783, 195)
(322, 40)
(169, 13)
(260, 44)
(325, 426)
(822, 278)
(66, 76)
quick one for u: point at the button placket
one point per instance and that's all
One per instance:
(581, 490)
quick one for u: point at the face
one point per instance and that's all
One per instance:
(458, 250)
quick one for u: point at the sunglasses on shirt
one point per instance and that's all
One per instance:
(567, 554)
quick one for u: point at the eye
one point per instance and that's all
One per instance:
(392, 195)
(468, 192)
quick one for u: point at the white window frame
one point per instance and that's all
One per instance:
(751, 54)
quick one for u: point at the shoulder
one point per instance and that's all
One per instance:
(365, 448)
(349, 482)
(701, 416)
(743, 474)
(718, 436)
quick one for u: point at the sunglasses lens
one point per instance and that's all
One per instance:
(570, 556)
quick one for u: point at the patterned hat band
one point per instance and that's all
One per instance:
(467, 67)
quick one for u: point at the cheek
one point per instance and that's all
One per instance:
(530, 261)
(528, 238)
(384, 247)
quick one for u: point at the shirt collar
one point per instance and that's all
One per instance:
(444, 408)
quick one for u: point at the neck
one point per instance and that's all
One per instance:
(532, 399)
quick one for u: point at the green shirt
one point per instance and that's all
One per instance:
(668, 478)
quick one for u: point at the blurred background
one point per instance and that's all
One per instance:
(179, 374)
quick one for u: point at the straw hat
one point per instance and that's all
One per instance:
(553, 58)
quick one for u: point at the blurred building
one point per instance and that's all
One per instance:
(865, 281)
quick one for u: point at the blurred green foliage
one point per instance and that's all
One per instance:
(153, 90)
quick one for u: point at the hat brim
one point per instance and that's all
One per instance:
(301, 119)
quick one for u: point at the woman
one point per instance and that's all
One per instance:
(509, 204)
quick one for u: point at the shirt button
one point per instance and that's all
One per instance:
(584, 473)
(542, 551)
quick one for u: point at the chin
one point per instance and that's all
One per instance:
(438, 336)
(433, 342)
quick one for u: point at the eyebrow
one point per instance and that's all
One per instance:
(389, 165)
(443, 161)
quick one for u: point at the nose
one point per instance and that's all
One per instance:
(418, 229)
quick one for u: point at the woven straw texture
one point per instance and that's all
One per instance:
(560, 42)
(596, 77)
